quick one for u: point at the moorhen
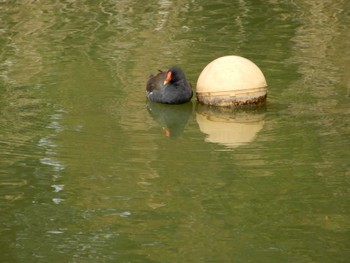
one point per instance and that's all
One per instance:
(169, 87)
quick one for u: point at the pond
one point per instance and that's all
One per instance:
(90, 171)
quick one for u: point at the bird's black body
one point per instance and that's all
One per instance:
(169, 87)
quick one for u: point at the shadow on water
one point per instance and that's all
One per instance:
(231, 127)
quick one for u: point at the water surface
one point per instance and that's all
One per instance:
(92, 172)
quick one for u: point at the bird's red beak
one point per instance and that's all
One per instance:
(168, 78)
(167, 131)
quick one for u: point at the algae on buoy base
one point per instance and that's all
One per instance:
(231, 81)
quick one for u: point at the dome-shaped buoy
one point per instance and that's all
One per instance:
(231, 81)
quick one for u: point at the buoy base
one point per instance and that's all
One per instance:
(233, 99)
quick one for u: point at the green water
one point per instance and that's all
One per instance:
(91, 172)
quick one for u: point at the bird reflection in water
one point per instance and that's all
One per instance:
(172, 118)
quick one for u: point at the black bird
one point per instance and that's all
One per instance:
(169, 87)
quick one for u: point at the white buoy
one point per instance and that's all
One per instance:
(231, 81)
